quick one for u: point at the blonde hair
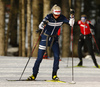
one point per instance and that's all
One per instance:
(83, 15)
(55, 7)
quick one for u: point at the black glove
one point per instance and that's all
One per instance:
(38, 30)
(45, 22)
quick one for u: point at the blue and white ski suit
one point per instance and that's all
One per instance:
(50, 29)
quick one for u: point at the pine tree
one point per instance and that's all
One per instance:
(29, 26)
(23, 28)
(2, 11)
(20, 28)
(65, 30)
(36, 20)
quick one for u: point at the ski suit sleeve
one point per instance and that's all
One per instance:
(44, 22)
(91, 26)
(64, 19)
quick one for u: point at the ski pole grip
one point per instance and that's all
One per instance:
(72, 12)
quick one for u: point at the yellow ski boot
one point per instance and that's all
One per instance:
(31, 77)
(55, 78)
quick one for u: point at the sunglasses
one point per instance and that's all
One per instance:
(83, 19)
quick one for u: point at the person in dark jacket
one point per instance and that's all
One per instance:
(85, 37)
(49, 37)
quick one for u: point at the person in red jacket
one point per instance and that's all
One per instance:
(85, 37)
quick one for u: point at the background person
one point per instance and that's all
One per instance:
(85, 37)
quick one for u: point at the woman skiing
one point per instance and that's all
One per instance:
(85, 37)
(49, 37)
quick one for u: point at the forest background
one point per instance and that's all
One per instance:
(20, 20)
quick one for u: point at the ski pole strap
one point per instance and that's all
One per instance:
(50, 35)
(53, 36)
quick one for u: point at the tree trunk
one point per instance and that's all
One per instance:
(9, 27)
(77, 29)
(46, 7)
(2, 28)
(20, 28)
(23, 28)
(70, 3)
(46, 10)
(65, 30)
(29, 26)
(36, 21)
(13, 36)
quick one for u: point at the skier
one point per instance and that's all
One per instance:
(85, 37)
(49, 37)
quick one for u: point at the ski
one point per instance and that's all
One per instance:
(24, 80)
(78, 67)
(81, 66)
(38, 80)
(55, 81)
(87, 66)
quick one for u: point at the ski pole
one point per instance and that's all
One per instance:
(72, 82)
(95, 43)
(72, 16)
(68, 57)
(30, 57)
(67, 61)
(72, 56)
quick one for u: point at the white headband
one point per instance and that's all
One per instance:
(56, 12)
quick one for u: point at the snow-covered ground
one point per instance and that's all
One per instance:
(12, 67)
